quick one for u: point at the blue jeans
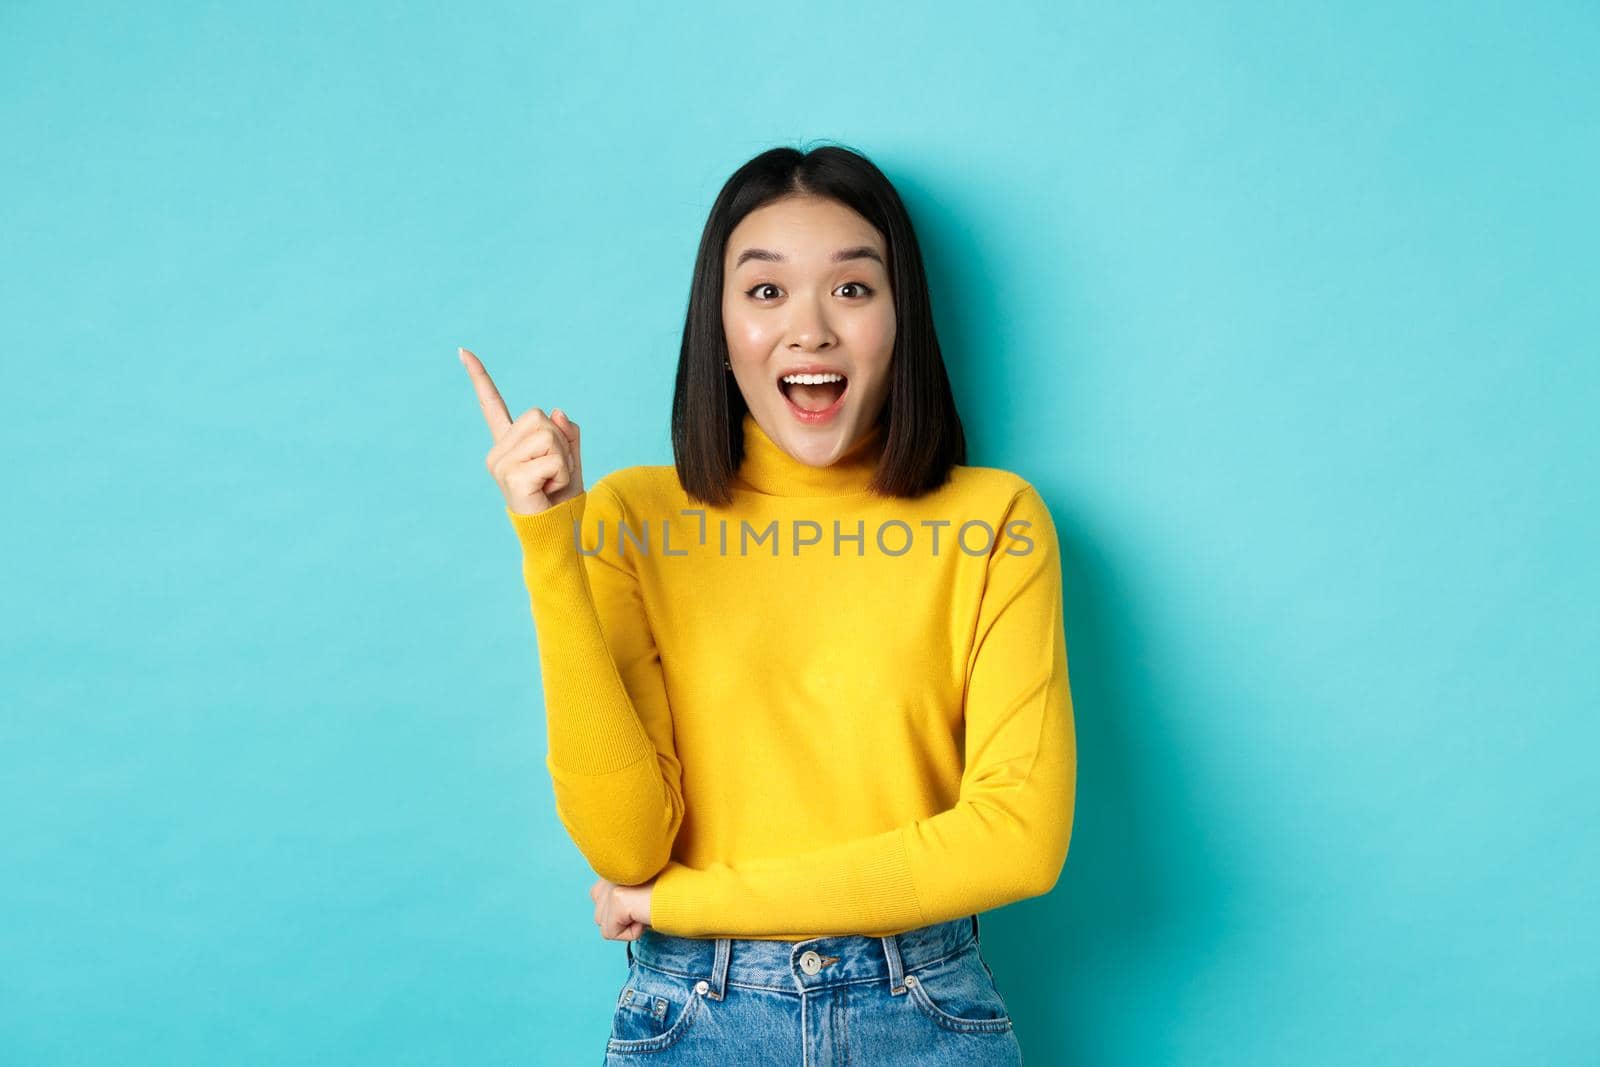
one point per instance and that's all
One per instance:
(924, 997)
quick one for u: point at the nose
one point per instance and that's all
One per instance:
(808, 328)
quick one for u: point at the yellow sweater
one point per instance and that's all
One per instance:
(815, 711)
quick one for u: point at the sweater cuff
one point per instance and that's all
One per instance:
(674, 905)
(550, 530)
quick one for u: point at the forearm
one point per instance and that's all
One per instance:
(610, 790)
(985, 852)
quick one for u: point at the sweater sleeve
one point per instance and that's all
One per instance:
(617, 781)
(1006, 837)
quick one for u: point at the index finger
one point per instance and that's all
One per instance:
(489, 399)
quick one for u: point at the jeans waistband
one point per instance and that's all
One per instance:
(801, 966)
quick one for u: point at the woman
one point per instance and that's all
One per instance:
(806, 688)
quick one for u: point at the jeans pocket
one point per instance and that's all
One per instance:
(654, 1010)
(958, 993)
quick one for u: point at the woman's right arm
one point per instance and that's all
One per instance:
(611, 758)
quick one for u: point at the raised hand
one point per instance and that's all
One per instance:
(535, 459)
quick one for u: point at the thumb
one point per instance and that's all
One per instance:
(567, 426)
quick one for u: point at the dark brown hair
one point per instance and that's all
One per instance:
(923, 437)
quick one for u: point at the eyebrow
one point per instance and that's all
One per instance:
(841, 256)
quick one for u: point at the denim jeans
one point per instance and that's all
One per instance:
(924, 997)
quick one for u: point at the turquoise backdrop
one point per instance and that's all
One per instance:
(1289, 310)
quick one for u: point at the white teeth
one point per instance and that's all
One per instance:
(811, 379)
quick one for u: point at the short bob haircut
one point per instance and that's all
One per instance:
(923, 436)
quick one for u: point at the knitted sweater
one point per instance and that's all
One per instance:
(814, 711)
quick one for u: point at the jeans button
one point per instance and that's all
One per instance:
(810, 962)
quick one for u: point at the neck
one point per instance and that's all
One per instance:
(768, 469)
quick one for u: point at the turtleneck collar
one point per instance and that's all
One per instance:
(768, 469)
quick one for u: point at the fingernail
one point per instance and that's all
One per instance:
(556, 411)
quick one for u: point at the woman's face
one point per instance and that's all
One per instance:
(788, 304)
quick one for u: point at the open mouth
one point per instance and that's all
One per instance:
(813, 395)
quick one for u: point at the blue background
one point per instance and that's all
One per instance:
(1288, 310)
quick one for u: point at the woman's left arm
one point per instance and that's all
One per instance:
(1004, 840)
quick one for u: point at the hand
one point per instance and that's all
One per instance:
(621, 911)
(535, 460)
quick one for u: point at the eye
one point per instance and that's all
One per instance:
(865, 289)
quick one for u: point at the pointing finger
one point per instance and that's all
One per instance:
(489, 399)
